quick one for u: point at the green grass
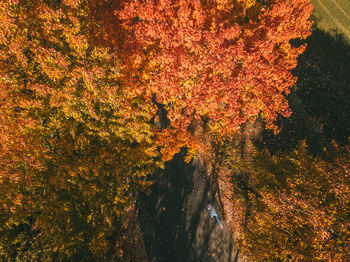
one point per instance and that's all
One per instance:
(333, 16)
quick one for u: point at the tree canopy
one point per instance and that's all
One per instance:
(82, 87)
(227, 61)
(289, 204)
(75, 145)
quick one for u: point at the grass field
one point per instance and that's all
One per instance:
(333, 16)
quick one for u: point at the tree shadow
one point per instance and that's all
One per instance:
(320, 100)
(173, 212)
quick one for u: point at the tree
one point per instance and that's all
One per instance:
(82, 84)
(218, 62)
(75, 143)
(289, 205)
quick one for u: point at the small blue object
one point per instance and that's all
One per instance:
(211, 210)
(212, 213)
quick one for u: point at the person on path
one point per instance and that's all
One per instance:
(212, 212)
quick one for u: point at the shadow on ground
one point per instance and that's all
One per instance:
(173, 216)
(320, 101)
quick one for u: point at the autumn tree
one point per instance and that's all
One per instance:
(290, 205)
(81, 84)
(215, 62)
(75, 144)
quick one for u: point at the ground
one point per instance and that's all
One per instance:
(175, 220)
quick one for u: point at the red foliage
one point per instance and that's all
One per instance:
(216, 58)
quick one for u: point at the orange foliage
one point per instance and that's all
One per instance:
(72, 135)
(209, 59)
(80, 82)
(289, 205)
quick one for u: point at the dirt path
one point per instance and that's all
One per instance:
(175, 221)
